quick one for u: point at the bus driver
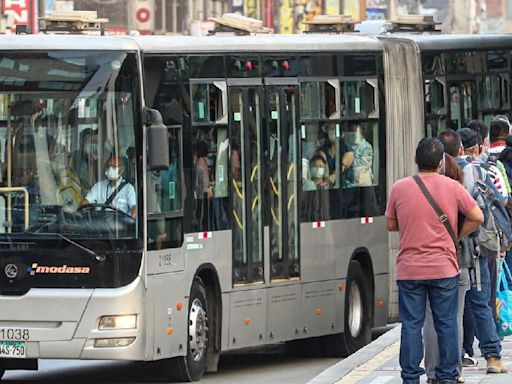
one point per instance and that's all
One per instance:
(115, 190)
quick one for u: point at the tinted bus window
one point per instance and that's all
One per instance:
(497, 60)
(319, 65)
(357, 65)
(203, 67)
(280, 67)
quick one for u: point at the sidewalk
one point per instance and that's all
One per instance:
(377, 363)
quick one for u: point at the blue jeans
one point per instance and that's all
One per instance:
(484, 321)
(443, 297)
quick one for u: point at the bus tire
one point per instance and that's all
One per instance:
(2, 371)
(357, 327)
(192, 367)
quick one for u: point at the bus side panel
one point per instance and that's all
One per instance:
(322, 312)
(248, 317)
(380, 317)
(167, 310)
(317, 252)
(284, 311)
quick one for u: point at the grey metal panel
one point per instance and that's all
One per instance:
(244, 82)
(381, 294)
(66, 42)
(59, 349)
(456, 42)
(281, 81)
(59, 306)
(321, 308)
(283, 313)
(164, 261)
(267, 43)
(247, 318)
(164, 293)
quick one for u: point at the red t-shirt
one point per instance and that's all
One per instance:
(426, 249)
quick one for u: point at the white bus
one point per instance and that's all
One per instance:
(261, 166)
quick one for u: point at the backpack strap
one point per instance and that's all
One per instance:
(115, 192)
(442, 216)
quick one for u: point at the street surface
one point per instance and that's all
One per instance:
(265, 365)
(268, 365)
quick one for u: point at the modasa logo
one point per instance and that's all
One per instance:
(54, 270)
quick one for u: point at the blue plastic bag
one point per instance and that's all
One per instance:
(504, 303)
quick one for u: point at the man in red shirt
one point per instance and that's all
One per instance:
(427, 263)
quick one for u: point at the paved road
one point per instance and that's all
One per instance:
(252, 366)
(269, 365)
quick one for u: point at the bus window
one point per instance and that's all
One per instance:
(210, 178)
(358, 99)
(164, 198)
(361, 181)
(207, 105)
(318, 99)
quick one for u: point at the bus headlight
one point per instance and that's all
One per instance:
(113, 343)
(118, 322)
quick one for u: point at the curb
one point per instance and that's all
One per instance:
(332, 374)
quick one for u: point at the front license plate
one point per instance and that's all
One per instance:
(13, 349)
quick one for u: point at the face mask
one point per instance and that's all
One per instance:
(332, 137)
(317, 172)
(112, 173)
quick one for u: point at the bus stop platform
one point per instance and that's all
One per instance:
(377, 363)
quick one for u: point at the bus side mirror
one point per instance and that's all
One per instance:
(158, 142)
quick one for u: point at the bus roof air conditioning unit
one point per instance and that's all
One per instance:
(330, 24)
(74, 22)
(235, 24)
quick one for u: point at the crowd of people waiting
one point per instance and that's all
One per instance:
(453, 243)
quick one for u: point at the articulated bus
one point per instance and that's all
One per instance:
(261, 166)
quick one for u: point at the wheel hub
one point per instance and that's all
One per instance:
(198, 330)
(355, 310)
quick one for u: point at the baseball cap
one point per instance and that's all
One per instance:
(468, 136)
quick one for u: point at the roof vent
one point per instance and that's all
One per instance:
(235, 24)
(77, 22)
(330, 24)
(414, 23)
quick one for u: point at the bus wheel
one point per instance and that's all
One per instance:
(192, 367)
(2, 371)
(357, 330)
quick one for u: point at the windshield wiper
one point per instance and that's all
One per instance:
(96, 255)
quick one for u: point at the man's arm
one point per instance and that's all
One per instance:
(133, 211)
(474, 218)
(391, 224)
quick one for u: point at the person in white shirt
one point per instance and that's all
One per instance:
(115, 190)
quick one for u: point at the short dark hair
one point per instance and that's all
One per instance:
(429, 154)
(451, 141)
(498, 130)
(479, 127)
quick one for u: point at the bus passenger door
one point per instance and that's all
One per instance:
(282, 144)
(247, 320)
(281, 200)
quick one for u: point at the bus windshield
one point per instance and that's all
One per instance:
(67, 144)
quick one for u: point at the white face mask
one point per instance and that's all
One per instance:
(317, 172)
(112, 173)
(332, 136)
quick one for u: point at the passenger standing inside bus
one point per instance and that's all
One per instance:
(115, 190)
(346, 155)
(203, 193)
(426, 264)
(363, 156)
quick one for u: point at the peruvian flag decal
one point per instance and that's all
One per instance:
(366, 220)
(319, 224)
(204, 235)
